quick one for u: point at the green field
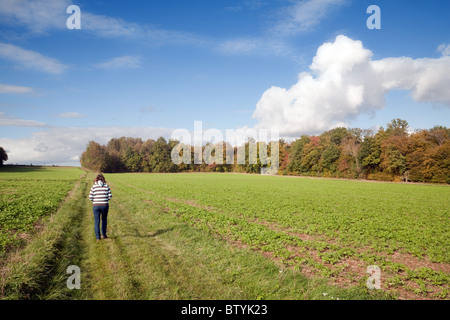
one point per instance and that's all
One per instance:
(27, 194)
(231, 236)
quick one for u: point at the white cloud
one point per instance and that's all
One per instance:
(30, 59)
(444, 49)
(41, 147)
(248, 45)
(124, 62)
(11, 121)
(64, 145)
(71, 115)
(37, 16)
(109, 26)
(243, 45)
(304, 15)
(300, 17)
(344, 82)
(46, 15)
(10, 89)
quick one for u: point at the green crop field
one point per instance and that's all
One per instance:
(223, 236)
(27, 194)
(328, 227)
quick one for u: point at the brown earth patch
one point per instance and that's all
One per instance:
(406, 259)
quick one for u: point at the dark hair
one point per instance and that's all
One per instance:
(100, 177)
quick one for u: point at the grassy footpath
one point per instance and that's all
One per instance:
(150, 254)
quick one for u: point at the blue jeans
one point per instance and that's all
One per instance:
(100, 212)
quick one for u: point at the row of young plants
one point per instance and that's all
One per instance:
(28, 195)
(335, 229)
(385, 217)
(22, 204)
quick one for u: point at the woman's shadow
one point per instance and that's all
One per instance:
(148, 235)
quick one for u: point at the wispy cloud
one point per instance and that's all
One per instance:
(36, 16)
(10, 89)
(444, 49)
(71, 115)
(124, 62)
(11, 121)
(256, 45)
(109, 26)
(30, 59)
(240, 45)
(299, 17)
(304, 15)
(41, 17)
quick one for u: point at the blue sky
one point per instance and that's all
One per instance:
(145, 68)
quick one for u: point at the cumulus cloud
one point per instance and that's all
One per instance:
(11, 89)
(30, 59)
(344, 82)
(64, 145)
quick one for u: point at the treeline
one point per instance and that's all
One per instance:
(127, 154)
(390, 154)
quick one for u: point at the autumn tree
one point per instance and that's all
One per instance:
(350, 147)
(94, 158)
(429, 155)
(284, 150)
(395, 148)
(311, 155)
(369, 155)
(397, 127)
(295, 157)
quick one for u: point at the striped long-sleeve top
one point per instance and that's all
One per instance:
(100, 194)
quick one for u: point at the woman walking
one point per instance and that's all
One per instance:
(100, 195)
